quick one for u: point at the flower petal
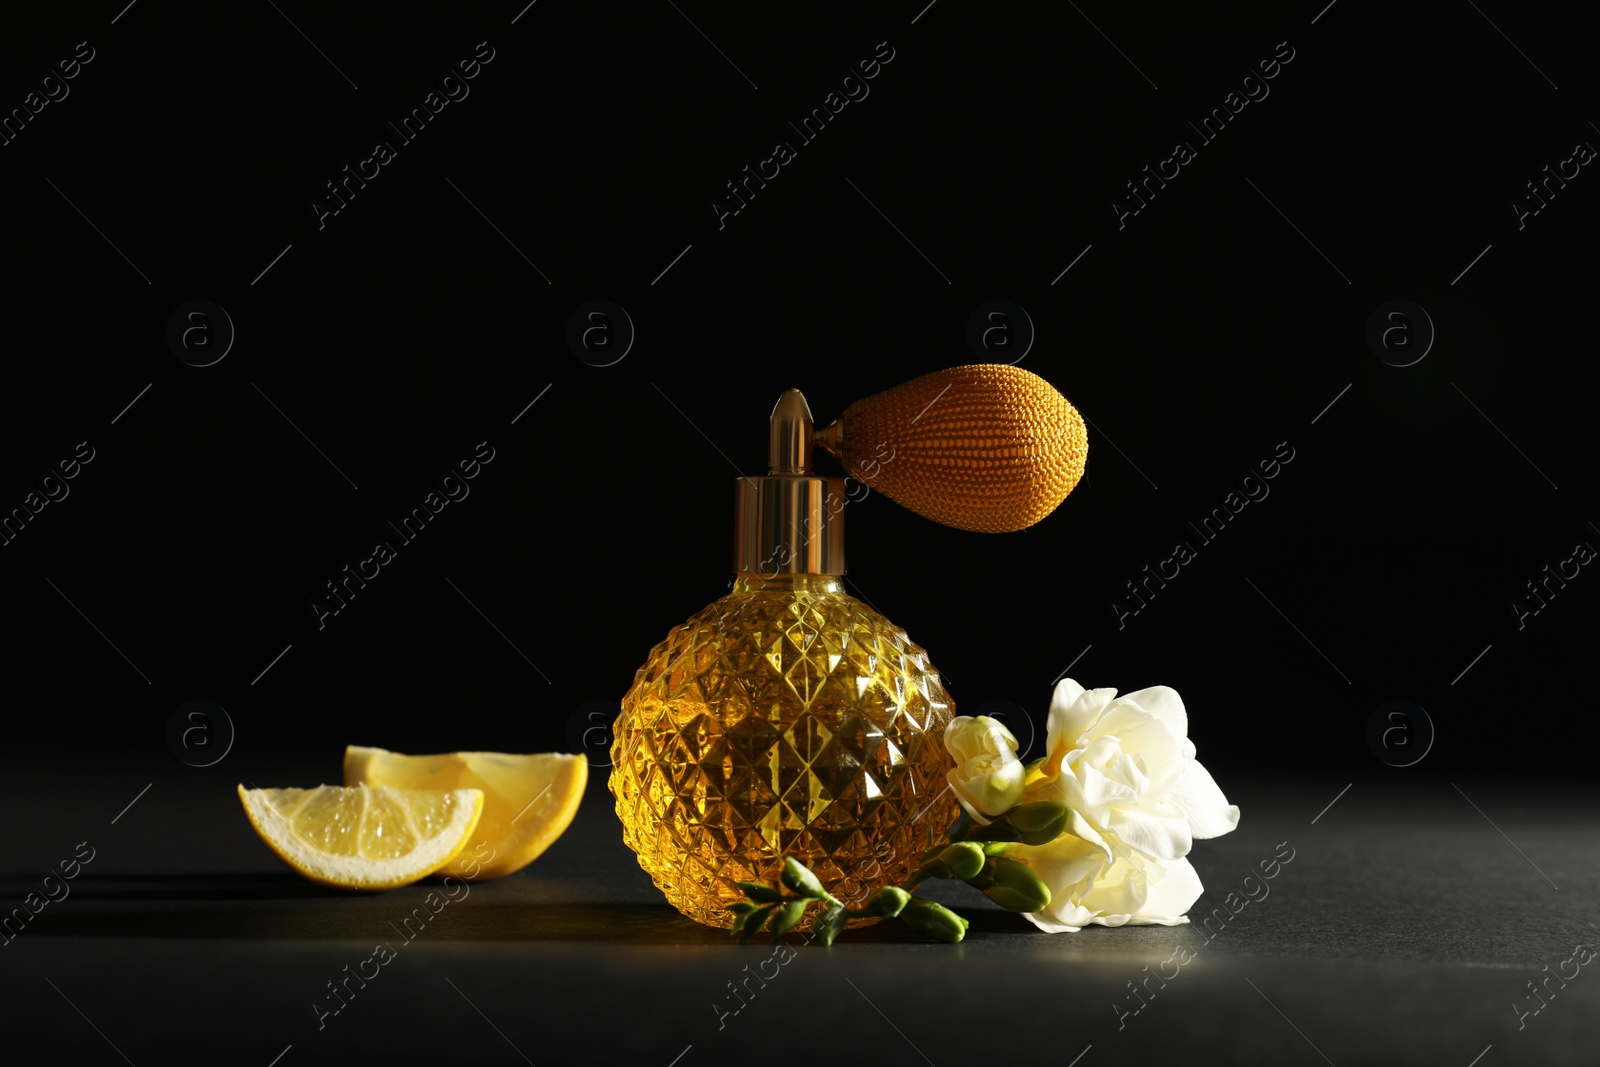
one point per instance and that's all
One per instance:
(1045, 923)
(1208, 811)
(956, 732)
(1063, 863)
(1073, 710)
(1079, 827)
(1147, 739)
(1118, 892)
(1066, 693)
(957, 786)
(1139, 920)
(1170, 895)
(1069, 866)
(1000, 729)
(1164, 703)
(1158, 837)
(1004, 787)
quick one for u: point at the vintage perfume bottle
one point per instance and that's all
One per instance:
(789, 718)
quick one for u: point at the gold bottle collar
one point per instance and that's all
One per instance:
(790, 521)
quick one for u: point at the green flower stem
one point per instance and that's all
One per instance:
(786, 910)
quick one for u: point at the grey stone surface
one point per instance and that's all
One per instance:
(1404, 929)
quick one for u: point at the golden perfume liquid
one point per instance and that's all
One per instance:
(785, 719)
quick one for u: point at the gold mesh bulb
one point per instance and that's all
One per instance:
(986, 447)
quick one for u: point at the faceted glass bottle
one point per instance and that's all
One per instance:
(785, 719)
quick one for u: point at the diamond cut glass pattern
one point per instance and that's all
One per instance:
(785, 719)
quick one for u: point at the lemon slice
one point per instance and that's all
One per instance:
(360, 838)
(528, 801)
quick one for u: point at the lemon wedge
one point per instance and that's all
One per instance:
(528, 801)
(361, 838)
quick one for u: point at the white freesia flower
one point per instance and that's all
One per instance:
(1125, 767)
(987, 777)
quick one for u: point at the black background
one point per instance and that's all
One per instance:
(407, 330)
(1226, 317)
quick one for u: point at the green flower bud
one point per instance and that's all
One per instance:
(1017, 887)
(785, 919)
(760, 892)
(962, 859)
(887, 902)
(800, 879)
(746, 923)
(999, 830)
(935, 920)
(830, 924)
(998, 848)
(1039, 823)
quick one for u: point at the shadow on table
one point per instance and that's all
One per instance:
(166, 886)
(284, 906)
